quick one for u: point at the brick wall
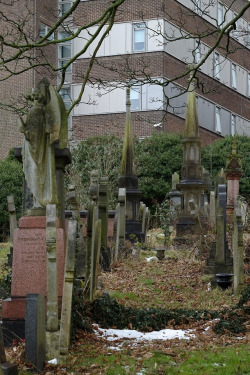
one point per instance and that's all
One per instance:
(12, 91)
(142, 125)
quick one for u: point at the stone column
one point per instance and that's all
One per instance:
(65, 326)
(238, 260)
(103, 216)
(52, 291)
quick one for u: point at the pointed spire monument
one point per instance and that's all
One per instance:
(129, 180)
(191, 185)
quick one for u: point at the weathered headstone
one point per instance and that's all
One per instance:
(237, 243)
(212, 208)
(12, 216)
(65, 325)
(80, 248)
(103, 203)
(96, 249)
(35, 330)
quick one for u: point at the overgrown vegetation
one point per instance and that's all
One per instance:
(11, 177)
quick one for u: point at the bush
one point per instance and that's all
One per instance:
(152, 156)
(157, 158)
(100, 153)
(11, 177)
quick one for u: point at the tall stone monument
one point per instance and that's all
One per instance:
(233, 174)
(129, 180)
(44, 155)
(191, 185)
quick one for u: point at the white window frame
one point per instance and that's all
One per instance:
(197, 7)
(135, 102)
(248, 36)
(220, 14)
(197, 52)
(65, 93)
(218, 119)
(233, 76)
(61, 4)
(233, 124)
(46, 29)
(216, 65)
(248, 85)
(61, 59)
(235, 32)
(136, 28)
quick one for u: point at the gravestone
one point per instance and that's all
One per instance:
(12, 216)
(65, 325)
(29, 274)
(238, 248)
(220, 260)
(52, 333)
(35, 330)
(212, 208)
(103, 203)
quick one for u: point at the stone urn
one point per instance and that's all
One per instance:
(224, 280)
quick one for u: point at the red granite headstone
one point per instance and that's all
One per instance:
(29, 274)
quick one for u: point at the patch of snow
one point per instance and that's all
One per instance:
(164, 334)
(53, 361)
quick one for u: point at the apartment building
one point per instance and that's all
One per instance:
(159, 38)
(150, 43)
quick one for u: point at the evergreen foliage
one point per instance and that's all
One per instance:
(157, 158)
(102, 153)
(11, 177)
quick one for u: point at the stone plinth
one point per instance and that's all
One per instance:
(29, 265)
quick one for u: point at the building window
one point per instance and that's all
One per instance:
(135, 98)
(234, 79)
(139, 37)
(197, 6)
(220, 14)
(235, 32)
(43, 30)
(248, 85)
(216, 65)
(233, 124)
(197, 52)
(248, 35)
(66, 97)
(64, 6)
(64, 55)
(217, 120)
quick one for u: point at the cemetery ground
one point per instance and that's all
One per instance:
(140, 282)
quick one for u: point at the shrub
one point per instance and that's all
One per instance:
(11, 177)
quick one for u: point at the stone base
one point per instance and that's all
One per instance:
(52, 345)
(9, 368)
(134, 231)
(13, 330)
(212, 267)
(185, 225)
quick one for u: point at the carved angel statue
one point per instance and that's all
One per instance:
(46, 123)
